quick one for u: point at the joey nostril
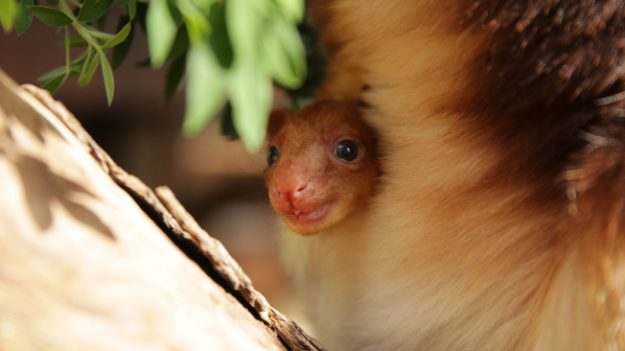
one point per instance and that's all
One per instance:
(300, 190)
(278, 192)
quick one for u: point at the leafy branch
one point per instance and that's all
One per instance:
(222, 50)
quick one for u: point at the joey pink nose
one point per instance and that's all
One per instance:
(296, 192)
(300, 191)
(292, 191)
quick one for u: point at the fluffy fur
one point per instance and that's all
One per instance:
(498, 222)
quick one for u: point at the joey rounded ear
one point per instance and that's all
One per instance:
(276, 121)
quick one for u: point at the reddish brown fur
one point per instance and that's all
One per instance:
(305, 141)
(498, 222)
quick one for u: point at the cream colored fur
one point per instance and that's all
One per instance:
(434, 263)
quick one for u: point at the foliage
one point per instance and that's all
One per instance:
(223, 50)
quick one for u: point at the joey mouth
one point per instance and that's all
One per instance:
(314, 215)
(308, 222)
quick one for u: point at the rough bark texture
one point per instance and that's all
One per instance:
(93, 259)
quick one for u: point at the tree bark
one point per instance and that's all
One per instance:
(93, 259)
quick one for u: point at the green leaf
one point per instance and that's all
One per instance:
(219, 40)
(88, 68)
(181, 44)
(107, 76)
(283, 55)
(77, 42)
(120, 51)
(175, 74)
(195, 21)
(161, 30)
(205, 89)
(244, 27)
(250, 93)
(24, 17)
(98, 34)
(52, 85)
(119, 37)
(91, 10)
(227, 125)
(59, 71)
(197, 27)
(316, 63)
(142, 15)
(203, 5)
(8, 12)
(132, 9)
(293, 10)
(50, 16)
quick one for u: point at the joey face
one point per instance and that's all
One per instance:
(321, 166)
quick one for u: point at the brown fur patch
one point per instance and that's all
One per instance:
(555, 76)
(543, 69)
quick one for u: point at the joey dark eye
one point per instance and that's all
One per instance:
(346, 150)
(272, 155)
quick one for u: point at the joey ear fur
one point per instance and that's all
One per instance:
(276, 121)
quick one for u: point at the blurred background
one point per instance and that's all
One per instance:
(215, 179)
